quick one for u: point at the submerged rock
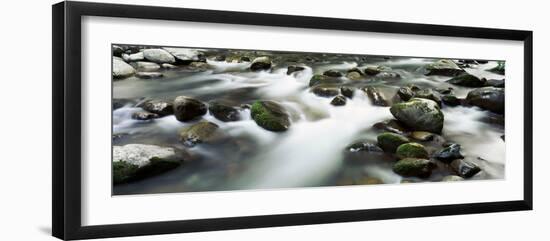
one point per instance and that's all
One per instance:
(325, 90)
(449, 153)
(223, 112)
(333, 73)
(270, 116)
(489, 98)
(444, 67)
(376, 97)
(198, 133)
(261, 63)
(389, 142)
(137, 161)
(144, 115)
(121, 69)
(413, 150)
(158, 56)
(187, 108)
(293, 68)
(119, 103)
(467, 80)
(339, 100)
(414, 167)
(149, 75)
(419, 114)
(159, 107)
(464, 168)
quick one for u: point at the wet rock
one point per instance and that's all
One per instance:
(391, 126)
(411, 150)
(121, 69)
(405, 93)
(389, 142)
(376, 97)
(187, 108)
(464, 168)
(224, 112)
(489, 98)
(467, 80)
(499, 69)
(333, 73)
(200, 132)
(428, 94)
(117, 51)
(444, 67)
(149, 75)
(137, 161)
(261, 63)
(293, 68)
(185, 55)
(450, 100)
(159, 107)
(270, 116)
(374, 70)
(158, 56)
(449, 153)
(498, 83)
(322, 79)
(145, 66)
(325, 90)
(414, 167)
(133, 57)
(339, 100)
(419, 114)
(452, 178)
(144, 115)
(422, 135)
(347, 91)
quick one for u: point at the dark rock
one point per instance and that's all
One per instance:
(467, 80)
(198, 133)
(223, 112)
(159, 107)
(339, 100)
(390, 141)
(117, 51)
(325, 90)
(376, 97)
(449, 153)
(481, 61)
(119, 103)
(450, 100)
(498, 83)
(489, 98)
(428, 94)
(347, 91)
(419, 114)
(144, 115)
(333, 73)
(220, 58)
(293, 68)
(444, 67)
(187, 108)
(414, 167)
(270, 116)
(405, 93)
(261, 63)
(464, 168)
(422, 135)
(373, 70)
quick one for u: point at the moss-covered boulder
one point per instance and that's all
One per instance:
(390, 141)
(323, 79)
(414, 167)
(419, 114)
(325, 90)
(500, 68)
(138, 161)
(270, 116)
(261, 63)
(467, 80)
(444, 67)
(223, 112)
(187, 108)
(200, 132)
(411, 149)
(489, 98)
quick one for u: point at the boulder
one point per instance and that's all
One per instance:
(121, 69)
(443, 67)
(270, 116)
(389, 142)
(323, 79)
(145, 66)
(489, 98)
(413, 150)
(261, 63)
(137, 161)
(347, 91)
(185, 55)
(414, 167)
(293, 68)
(223, 112)
(339, 100)
(200, 132)
(133, 57)
(168, 66)
(419, 114)
(333, 73)
(159, 107)
(375, 96)
(428, 94)
(144, 115)
(158, 56)
(187, 108)
(149, 75)
(325, 90)
(354, 75)
(467, 80)
(374, 70)
(449, 153)
(387, 75)
(465, 168)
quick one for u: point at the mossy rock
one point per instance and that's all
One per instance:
(419, 114)
(414, 167)
(390, 141)
(124, 172)
(467, 80)
(412, 149)
(270, 116)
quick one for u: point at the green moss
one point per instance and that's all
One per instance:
(412, 149)
(270, 116)
(123, 171)
(390, 141)
(413, 167)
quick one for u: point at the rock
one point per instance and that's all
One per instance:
(390, 141)
(448, 91)
(168, 66)
(347, 91)
(187, 108)
(444, 67)
(145, 66)
(137, 161)
(198, 133)
(419, 114)
(450, 100)
(489, 98)
(117, 51)
(464, 168)
(339, 100)
(414, 167)
(498, 83)
(452, 178)
(428, 94)
(159, 56)
(500, 69)
(481, 61)
(198, 66)
(293, 68)
(391, 126)
(261, 63)
(185, 55)
(405, 93)
(149, 75)
(422, 135)
(322, 79)
(270, 116)
(412, 150)
(374, 70)
(223, 112)
(133, 57)
(364, 147)
(144, 115)
(449, 153)
(159, 107)
(333, 73)
(325, 90)
(121, 69)
(467, 80)
(375, 96)
(354, 76)
(386, 75)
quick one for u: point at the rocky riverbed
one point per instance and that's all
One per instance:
(189, 120)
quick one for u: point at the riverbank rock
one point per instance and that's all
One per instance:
(414, 167)
(145, 66)
(159, 56)
(121, 69)
(449, 153)
(187, 108)
(389, 142)
(339, 100)
(488, 98)
(223, 112)
(376, 97)
(149, 75)
(185, 55)
(270, 116)
(464, 168)
(293, 68)
(144, 115)
(137, 161)
(444, 67)
(413, 150)
(419, 114)
(261, 63)
(159, 107)
(324, 90)
(467, 80)
(200, 132)
(323, 79)
(333, 73)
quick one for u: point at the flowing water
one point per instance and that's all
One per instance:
(311, 152)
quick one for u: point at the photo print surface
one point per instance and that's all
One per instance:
(188, 119)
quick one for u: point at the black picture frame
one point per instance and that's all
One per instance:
(66, 47)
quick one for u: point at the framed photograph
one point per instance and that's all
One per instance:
(170, 120)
